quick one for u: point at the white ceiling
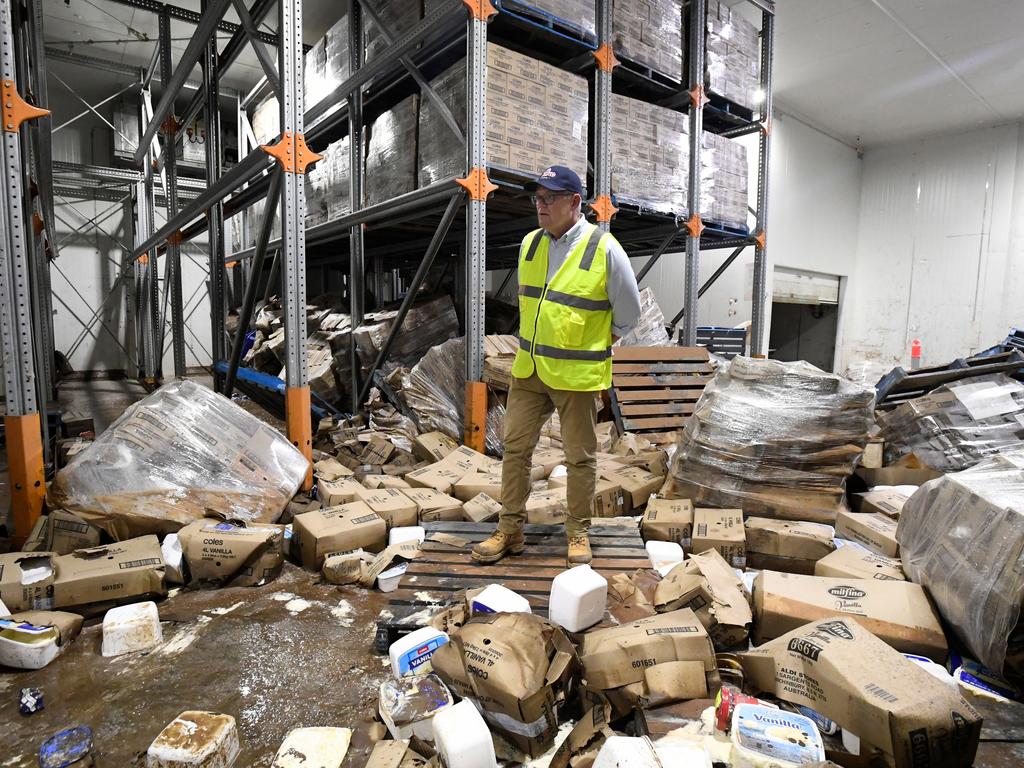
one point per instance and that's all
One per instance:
(867, 72)
(878, 71)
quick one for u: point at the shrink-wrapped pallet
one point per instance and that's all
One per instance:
(774, 439)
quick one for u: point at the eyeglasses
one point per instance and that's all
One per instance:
(547, 200)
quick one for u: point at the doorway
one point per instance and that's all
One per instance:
(805, 317)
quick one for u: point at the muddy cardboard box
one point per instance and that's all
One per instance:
(875, 531)
(520, 668)
(433, 505)
(481, 509)
(331, 469)
(720, 529)
(547, 507)
(66, 532)
(235, 554)
(337, 529)
(438, 476)
(609, 499)
(619, 656)
(114, 573)
(397, 509)
(474, 483)
(636, 482)
(791, 547)
(858, 562)
(708, 586)
(668, 520)
(898, 612)
(331, 493)
(838, 668)
(433, 446)
(884, 502)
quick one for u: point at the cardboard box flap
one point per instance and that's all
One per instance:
(68, 625)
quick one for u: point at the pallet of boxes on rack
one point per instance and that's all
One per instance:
(650, 158)
(647, 38)
(732, 61)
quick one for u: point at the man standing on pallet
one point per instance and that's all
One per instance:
(577, 296)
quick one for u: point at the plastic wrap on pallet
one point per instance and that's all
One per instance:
(649, 32)
(536, 116)
(650, 149)
(577, 15)
(397, 16)
(391, 153)
(960, 537)
(327, 184)
(327, 63)
(650, 330)
(733, 56)
(723, 194)
(427, 324)
(957, 425)
(181, 454)
(774, 439)
(435, 389)
(266, 121)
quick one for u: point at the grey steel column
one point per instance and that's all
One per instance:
(357, 264)
(757, 330)
(173, 243)
(293, 231)
(476, 204)
(688, 331)
(146, 199)
(215, 214)
(602, 110)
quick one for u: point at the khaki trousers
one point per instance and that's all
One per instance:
(530, 403)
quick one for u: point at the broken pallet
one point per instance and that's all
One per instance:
(433, 579)
(654, 389)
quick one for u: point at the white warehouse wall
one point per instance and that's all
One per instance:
(940, 248)
(814, 201)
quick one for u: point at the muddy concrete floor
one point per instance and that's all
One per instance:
(292, 653)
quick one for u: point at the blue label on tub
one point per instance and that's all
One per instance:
(412, 659)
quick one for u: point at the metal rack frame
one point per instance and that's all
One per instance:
(274, 172)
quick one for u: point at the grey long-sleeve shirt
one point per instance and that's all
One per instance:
(623, 292)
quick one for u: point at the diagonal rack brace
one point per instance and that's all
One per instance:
(15, 109)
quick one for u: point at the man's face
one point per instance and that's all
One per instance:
(555, 209)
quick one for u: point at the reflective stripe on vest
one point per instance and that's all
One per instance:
(565, 325)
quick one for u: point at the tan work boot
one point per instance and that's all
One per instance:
(579, 550)
(499, 544)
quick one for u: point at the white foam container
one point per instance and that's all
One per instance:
(935, 670)
(682, 755)
(313, 748)
(410, 655)
(407, 533)
(495, 598)
(559, 471)
(170, 549)
(25, 646)
(388, 581)
(195, 740)
(628, 752)
(578, 598)
(394, 703)
(131, 628)
(665, 555)
(462, 738)
(851, 742)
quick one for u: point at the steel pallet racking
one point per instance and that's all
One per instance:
(409, 231)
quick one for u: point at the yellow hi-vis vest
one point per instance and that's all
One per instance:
(565, 327)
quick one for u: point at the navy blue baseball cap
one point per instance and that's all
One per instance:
(557, 178)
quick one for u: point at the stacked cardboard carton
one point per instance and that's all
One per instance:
(327, 190)
(723, 181)
(391, 153)
(536, 116)
(581, 14)
(650, 33)
(774, 439)
(957, 425)
(327, 63)
(397, 17)
(733, 56)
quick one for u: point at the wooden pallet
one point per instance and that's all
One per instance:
(434, 578)
(654, 389)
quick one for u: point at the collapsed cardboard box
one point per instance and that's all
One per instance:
(888, 502)
(668, 520)
(637, 483)
(547, 507)
(707, 585)
(176, 456)
(898, 612)
(85, 580)
(621, 656)
(433, 505)
(518, 667)
(873, 530)
(840, 670)
(62, 533)
(337, 529)
(858, 562)
(961, 536)
(481, 509)
(433, 446)
(791, 547)
(391, 505)
(232, 554)
(720, 529)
